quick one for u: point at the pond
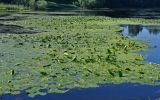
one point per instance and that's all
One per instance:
(148, 33)
(125, 91)
(106, 92)
(123, 13)
(152, 13)
(114, 13)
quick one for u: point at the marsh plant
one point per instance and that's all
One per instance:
(72, 52)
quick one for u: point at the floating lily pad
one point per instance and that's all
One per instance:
(74, 52)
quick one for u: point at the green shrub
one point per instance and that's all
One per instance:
(31, 3)
(41, 4)
(26, 3)
(85, 3)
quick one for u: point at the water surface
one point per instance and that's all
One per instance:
(148, 33)
(125, 91)
(114, 13)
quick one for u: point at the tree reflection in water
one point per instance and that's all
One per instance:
(134, 30)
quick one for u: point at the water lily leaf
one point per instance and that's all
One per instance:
(111, 72)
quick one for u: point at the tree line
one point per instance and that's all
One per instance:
(88, 3)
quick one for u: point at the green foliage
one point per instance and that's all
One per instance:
(26, 3)
(93, 3)
(41, 4)
(72, 52)
(31, 3)
(85, 3)
(9, 7)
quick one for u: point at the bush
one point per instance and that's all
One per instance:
(31, 3)
(41, 4)
(26, 3)
(85, 3)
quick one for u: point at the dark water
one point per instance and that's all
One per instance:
(151, 34)
(15, 29)
(125, 91)
(114, 13)
(124, 13)
(153, 13)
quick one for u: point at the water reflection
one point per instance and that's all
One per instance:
(115, 13)
(149, 33)
(135, 30)
(154, 29)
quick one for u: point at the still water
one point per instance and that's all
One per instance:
(150, 34)
(114, 13)
(125, 91)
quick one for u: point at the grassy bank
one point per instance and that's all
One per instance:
(72, 52)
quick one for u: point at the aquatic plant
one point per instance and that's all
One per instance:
(72, 52)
